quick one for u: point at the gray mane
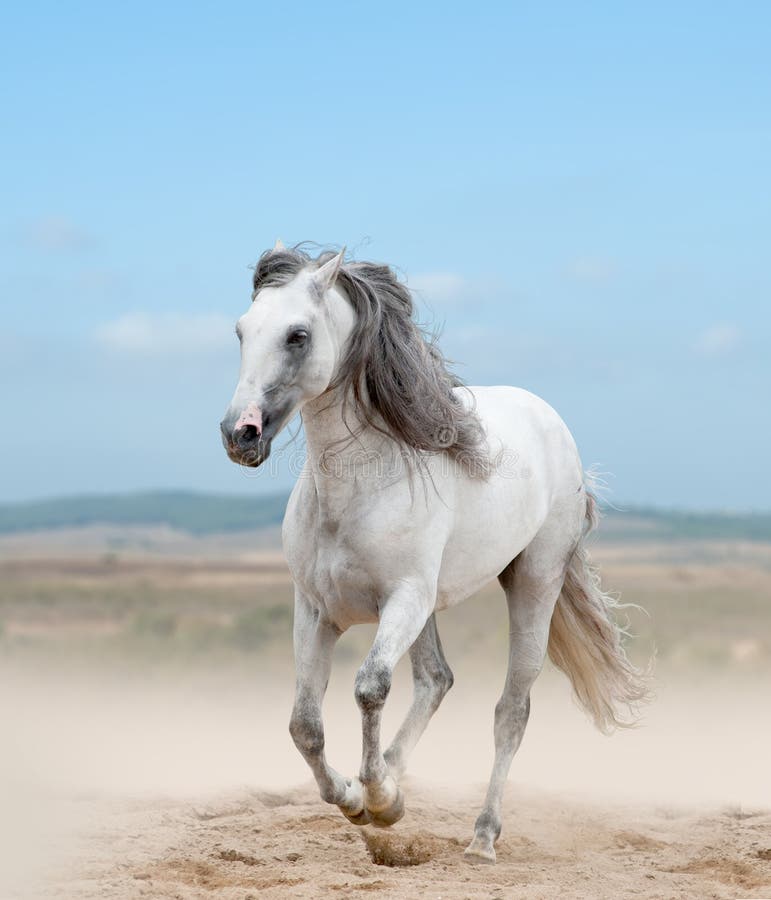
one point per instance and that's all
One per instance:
(393, 371)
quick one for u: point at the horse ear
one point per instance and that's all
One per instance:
(325, 277)
(279, 245)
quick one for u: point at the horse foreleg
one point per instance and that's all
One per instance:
(314, 641)
(432, 679)
(402, 619)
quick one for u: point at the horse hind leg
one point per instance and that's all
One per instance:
(532, 584)
(432, 679)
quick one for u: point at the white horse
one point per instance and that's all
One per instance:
(416, 492)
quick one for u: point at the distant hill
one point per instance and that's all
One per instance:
(184, 510)
(201, 514)
(641, 524)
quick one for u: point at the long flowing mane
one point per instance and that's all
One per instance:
(392, 369)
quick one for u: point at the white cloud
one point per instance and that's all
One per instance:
(718, 340)
(57, 233)
(163, 333)
(439, 287)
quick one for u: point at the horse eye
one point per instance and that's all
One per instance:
(297, 337)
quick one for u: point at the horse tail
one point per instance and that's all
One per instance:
(586, 642)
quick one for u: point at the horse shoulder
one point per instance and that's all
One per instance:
(299, 531)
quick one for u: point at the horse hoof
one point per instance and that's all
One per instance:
(379, 797)
(360, 818)
(352, 806)
(384, 802)
(386, 817)
(480, 851)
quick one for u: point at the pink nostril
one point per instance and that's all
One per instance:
(250, 417)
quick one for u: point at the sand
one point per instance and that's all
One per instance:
(188, 787)
(288, 844)
(144, 753)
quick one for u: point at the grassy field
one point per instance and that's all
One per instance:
(170, 577)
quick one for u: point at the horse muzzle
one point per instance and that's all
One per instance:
(246, 436)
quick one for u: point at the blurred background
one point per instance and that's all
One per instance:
(579, 197)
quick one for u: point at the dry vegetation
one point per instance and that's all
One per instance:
(707, 603)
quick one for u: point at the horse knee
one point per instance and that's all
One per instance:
(373, 682)
(307, 732)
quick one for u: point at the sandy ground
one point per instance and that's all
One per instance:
(286, 844)
(188, 787)
(144, 751)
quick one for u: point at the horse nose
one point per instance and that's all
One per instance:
(244, 430)
(239, 435)
(246, 436)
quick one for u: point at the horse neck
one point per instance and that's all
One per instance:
(340, 443)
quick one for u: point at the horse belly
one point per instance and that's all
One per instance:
(495, 518)
(487, 536)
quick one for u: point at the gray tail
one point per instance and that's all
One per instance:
(586, 642)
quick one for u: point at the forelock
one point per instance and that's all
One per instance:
(278, 267)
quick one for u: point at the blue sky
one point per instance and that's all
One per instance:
(579, 193)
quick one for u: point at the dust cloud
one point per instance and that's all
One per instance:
(82, 750)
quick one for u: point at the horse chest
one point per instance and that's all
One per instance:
(330, 569)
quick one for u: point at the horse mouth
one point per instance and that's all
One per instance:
(251, 457)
